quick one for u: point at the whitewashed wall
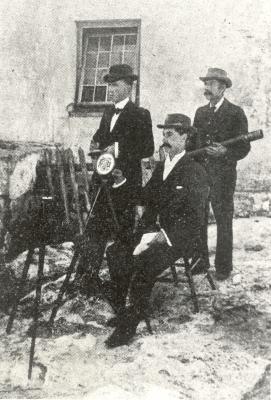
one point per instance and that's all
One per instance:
(180, 40)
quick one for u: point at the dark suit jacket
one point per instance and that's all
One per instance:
(179, 201)
(229, 121)
(133, 132)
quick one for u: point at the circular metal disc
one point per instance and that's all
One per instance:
(105, 164)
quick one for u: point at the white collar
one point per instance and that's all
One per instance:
(176, 158)
(121, 104)
(170, 164)
(218, 104)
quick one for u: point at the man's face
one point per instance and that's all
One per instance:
(118, 91)
(213, 89)
(173, 141)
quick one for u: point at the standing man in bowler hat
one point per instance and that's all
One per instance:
(217, 121)
(125, 129)
(126, 132)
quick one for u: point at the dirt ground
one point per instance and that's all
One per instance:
(221, 353)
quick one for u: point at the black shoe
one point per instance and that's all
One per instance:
(125, 330)
(222, 276)
(122, 335)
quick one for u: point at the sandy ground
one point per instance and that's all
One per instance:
(223, 352)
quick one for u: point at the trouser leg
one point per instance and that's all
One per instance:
(120, 264)
(147, 268)
(91, 257)
(222, 200)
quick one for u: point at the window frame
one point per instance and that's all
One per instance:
(90, 108)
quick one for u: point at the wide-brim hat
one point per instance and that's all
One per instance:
(180, 121)
(217, 74)
(118, 72)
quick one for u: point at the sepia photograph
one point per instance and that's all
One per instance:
(135, 199)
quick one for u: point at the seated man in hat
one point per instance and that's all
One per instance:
(217, 121)
(125, 131)
(176, 196)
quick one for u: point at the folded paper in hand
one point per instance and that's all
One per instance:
(144, 243)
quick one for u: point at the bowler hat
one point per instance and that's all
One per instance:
(179, 121)
(118, 72)
(217, 74)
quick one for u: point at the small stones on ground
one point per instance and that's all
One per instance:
(253, 247)
(164, 372)
(236, 279)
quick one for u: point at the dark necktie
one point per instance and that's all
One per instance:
(209, 138)
(212, 110)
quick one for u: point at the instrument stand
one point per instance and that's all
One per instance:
(40, 242)
(78, 252)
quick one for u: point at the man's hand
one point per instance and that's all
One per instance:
(93, 146)
(216, 150)
(118, 176)
(94, 150)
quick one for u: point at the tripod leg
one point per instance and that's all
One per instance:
(174, 274)
(110, 202)
(20, 290)
(64, 287)
(102, 291)
(36, 310)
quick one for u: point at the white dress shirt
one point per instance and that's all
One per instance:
(121, 104)
(168, 167)
(218, 105)
(170, 164)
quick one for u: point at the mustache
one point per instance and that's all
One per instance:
(166, 145)
(207, 92)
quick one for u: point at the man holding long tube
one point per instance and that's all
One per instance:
(216, 122)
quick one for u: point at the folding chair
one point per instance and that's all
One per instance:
(192, 260)
(189, 265)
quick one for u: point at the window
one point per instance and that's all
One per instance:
(100, 45)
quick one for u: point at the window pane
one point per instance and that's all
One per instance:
(118, 42)
(130, 42)
(100, 93)
(87, 94)
(89, 78)
(130, 59)
(116, 58)
(91, 59)
(103, 60)
(105, 43)
(93, 43)
(100, 74)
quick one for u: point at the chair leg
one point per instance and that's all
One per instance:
(20, 289)
(36, 310)
(174, 274)
(148, 323)
(192, 286)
